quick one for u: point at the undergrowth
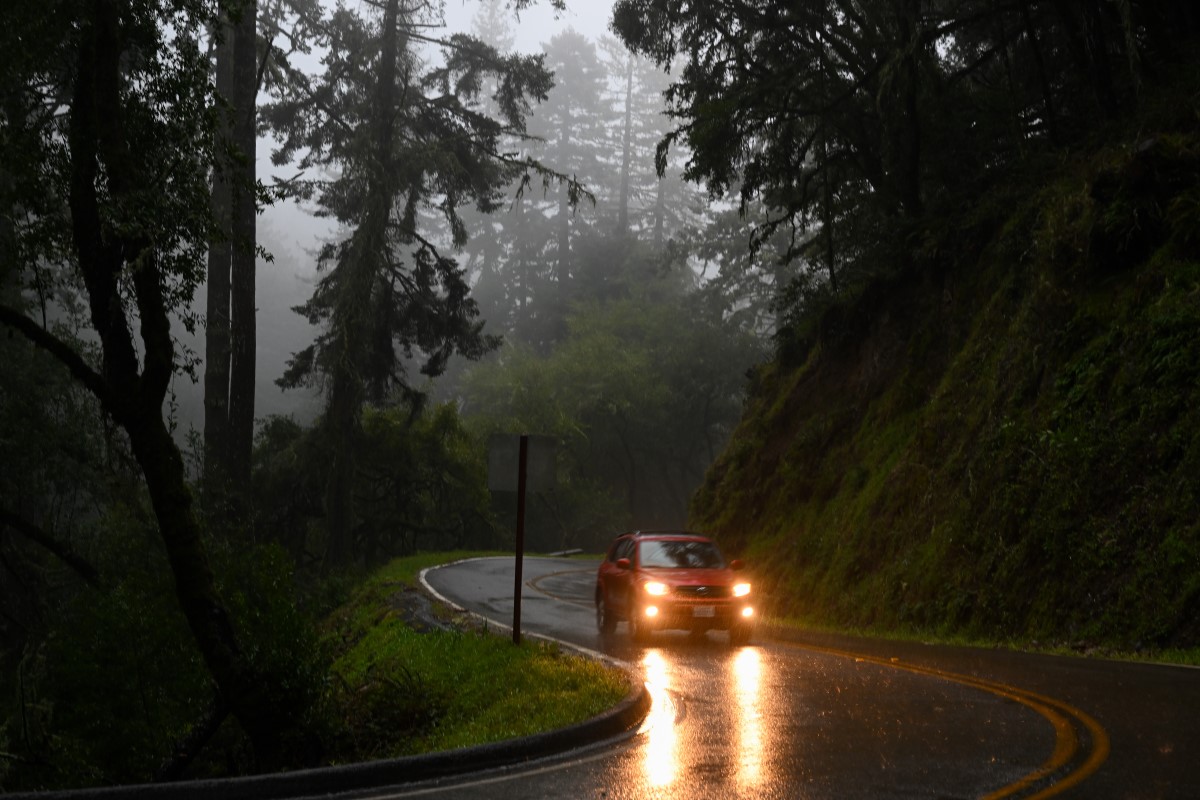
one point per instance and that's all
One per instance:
(401, 689)
(1006, 447)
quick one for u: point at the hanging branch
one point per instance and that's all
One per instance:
(82, 567)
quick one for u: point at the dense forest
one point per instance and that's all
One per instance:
(986, 424)
(961, 234)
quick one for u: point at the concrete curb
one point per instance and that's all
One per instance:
(379, 774)
(374, 775)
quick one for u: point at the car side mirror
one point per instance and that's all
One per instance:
(736, 565)
(623, 563)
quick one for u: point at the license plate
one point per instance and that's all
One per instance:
(704, 611)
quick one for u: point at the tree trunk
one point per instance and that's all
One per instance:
(827, 214)
(244, 211)
(827, 222)
(1096, 38)
(216, 331)
(564, 214)
(1043, 81)
(909, 166)
(257, 710)
(626, 151)
(1079, 36)
(134, 398)
(660, 214)
(361, 260)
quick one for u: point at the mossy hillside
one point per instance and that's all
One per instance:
(1005, 442)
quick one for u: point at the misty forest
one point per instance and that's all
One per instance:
(640, 242)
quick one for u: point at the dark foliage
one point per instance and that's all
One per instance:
(1005, 447)
(856, 122)
(422, 485)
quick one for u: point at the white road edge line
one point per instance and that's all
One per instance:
(586, 651)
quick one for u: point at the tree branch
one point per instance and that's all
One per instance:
(65, 554)
(61, 351)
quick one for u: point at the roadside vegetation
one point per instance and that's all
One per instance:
(1001, 445)
(385, 673)
(405, 683)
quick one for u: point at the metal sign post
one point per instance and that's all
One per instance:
(522, 463)
(534, 456)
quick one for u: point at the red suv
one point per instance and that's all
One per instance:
(656, 580)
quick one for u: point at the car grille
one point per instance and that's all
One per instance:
(702, 592)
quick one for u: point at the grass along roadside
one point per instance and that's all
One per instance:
(405, 680)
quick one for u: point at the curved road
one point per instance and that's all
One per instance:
(837, 717)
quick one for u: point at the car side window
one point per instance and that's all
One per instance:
(620, 549)
(624, 549)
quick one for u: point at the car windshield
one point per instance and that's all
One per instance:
(682, 554)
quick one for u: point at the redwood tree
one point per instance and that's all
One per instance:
(230, 328)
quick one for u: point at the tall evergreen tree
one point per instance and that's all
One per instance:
(573, 123)
(523, 259)
(242, 318)
(404, 139)
(637, 86)
(230, 330)
(220, 259)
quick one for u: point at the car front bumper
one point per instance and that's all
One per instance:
(669, 614)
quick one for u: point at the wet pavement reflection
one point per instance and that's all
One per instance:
(707, 729)
(663, 761)
(757, 721)
(764, 720)
(662, 740)
(747, 683)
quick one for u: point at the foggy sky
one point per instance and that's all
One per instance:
(538, 25)
(293, 236)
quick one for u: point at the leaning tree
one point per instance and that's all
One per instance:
(109, 131)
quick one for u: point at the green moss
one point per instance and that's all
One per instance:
(1022, 464)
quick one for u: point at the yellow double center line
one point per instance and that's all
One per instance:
(1063, 717)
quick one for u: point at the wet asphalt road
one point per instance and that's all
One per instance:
(837, 717)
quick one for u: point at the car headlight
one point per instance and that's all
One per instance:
(655, 588)
(741, 589)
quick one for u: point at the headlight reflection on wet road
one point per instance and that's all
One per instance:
(747, 679)
(807, 720)
(741, 696)
(662, 737)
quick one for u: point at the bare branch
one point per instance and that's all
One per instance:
(64, 553)
(63, 352)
